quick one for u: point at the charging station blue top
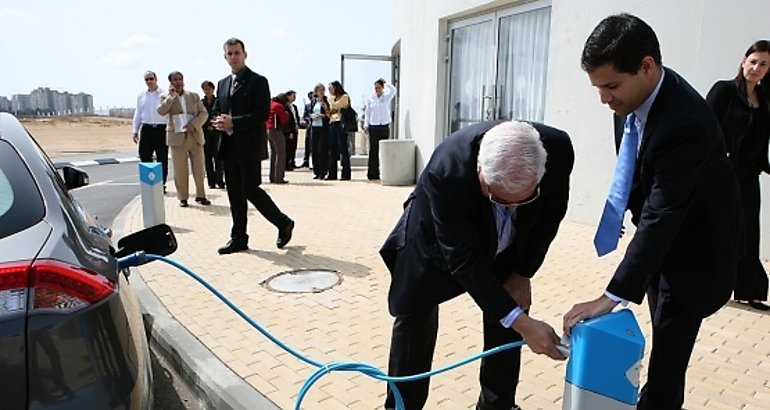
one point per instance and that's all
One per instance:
(150, 173)
(605, 355)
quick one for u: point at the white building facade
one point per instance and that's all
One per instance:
(464, 61)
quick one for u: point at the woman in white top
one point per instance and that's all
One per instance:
(319, 131)
(377, 124)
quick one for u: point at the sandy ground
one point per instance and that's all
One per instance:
(70, 136)
(67, 136)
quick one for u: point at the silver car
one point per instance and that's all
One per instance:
(71, 332)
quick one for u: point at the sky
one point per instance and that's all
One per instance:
(104, 47)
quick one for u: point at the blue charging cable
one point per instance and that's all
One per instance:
(139, 258)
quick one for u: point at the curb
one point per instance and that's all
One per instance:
(99, 161)
(210, 380)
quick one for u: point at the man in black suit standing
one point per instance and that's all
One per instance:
(480, 220)
(683, 197)
(242, 107)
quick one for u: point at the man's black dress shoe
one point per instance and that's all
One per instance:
(183, 203)
(758, 305)
(284, 234)
(202, 201)
(232, 247)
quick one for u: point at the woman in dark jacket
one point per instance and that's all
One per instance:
(742, 107)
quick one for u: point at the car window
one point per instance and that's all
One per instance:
(6, 194)
(21, 205)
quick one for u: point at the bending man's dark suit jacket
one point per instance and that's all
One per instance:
(445, 242)
(249, 106)
(685, 203)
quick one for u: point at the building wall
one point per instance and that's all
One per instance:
(703, 40)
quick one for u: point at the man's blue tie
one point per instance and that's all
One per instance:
(608, 233)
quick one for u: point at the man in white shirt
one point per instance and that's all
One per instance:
(377, 124)
(149, 127)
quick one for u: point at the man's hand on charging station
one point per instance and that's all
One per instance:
(587, 310)
(540, 336)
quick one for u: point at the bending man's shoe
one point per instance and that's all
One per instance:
(232, 246)
(758, 305)
(284, 234)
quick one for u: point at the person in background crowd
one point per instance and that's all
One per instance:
(276, 124)
(214, 172)
(291, 130)
(319, 129)
(742, 106)
(338, 138)
(308, 134)
(377, 124)
(149, 127)
(242, 110)
(186, 116)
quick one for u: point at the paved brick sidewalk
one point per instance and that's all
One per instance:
(340, 225)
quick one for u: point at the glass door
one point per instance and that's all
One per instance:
(471, 82)
(498, 65)
(522, 65)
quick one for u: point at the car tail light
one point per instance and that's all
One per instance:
(52, 285)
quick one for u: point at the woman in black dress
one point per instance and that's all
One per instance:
(742, 107)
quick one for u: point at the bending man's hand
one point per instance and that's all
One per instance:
(587, 310)
(520, 290)
(540, 336)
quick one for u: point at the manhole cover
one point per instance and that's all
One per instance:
(303, 281)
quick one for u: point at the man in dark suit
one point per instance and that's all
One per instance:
(243, 105)
(683, 198)
(480, 220)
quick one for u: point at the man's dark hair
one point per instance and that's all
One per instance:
(290, 92)
(622, 40)
(207, 83)
(380, 82)
(232, 41)
(173, 73)
(310, 95)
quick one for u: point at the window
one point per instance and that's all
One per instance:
(21, 205)
(498, 66)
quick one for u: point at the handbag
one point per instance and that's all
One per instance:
(349, 119)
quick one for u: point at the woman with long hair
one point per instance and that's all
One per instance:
(338, 138)
(742, 106)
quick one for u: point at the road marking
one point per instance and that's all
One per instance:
(109, 183)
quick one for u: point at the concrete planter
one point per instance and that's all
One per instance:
(397, 162)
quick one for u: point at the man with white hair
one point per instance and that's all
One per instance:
(480, 220)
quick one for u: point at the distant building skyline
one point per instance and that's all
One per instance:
(45, 101)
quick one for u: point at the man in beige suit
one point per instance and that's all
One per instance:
(184, 134)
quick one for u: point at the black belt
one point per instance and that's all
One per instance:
(154, 125)
(380, 125)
